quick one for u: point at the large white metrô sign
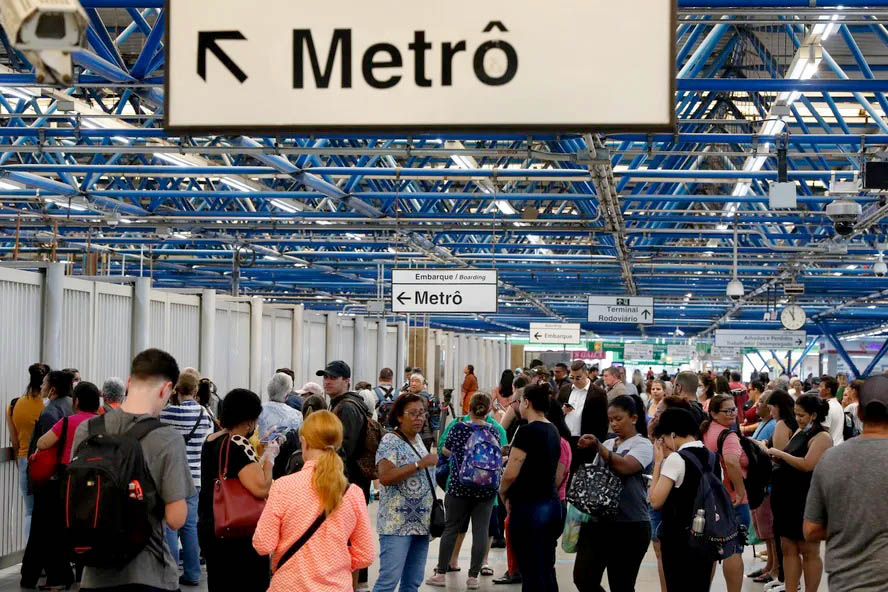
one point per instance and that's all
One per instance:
(392, 64)
(444, 290)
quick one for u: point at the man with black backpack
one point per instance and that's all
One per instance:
(385, 394)
(129, 475)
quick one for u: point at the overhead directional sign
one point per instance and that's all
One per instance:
(741, 338)
(555, 333)
(444, 290)
(680, 351)
(726, 353)
(418, 65)
(638, 351)
(621, 309)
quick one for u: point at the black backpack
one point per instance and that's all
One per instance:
(385, 401)
(718, 538)
(758, 474)
(109, 495)
(850, 429)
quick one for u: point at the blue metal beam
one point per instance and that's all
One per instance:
(811, 343)
(779, 361)
(839, 348)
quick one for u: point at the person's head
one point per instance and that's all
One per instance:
(86, 397)
(852, 392)
(408, 413)
(593, 372)
(578, 374)
(310, 388)
(535, 401)
(612, 376)
(670, 401)
(407, 372)
(722, 410)
(828, 387)
(756, 388)
(520, 382)
(153, 374)
(810, 410)
(337, 378)
(761, 406)
(721, 386)
(469, 370)
(240, 411)
(322, 432)
(676, 427)
(685, 385)
(561, 371)
(386, 376)
(842, 379)
(75, 374)
(363, 386)
(796, 385)
(36, 373)
(113, 390)
(479, 405)
(186, 386)
(505, 384)
(735, 377)
(313, 403)
(288, 372)
(626, 416)
(57, 384)
(873, 407)
(658, 390)
(534, 363)
(783, 408)
(279, 387)
(417, 383)
(206, 390)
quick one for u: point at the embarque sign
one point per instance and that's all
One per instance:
(393, 64)
(444, 290)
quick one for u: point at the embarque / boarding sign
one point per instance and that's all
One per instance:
(444, 290)
(555, 333)
(399, 65)
(621, 309)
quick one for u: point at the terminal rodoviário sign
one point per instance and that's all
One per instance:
(621, 309)
(419, 65)
(444, 290)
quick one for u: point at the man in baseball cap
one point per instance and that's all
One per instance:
(335, 369)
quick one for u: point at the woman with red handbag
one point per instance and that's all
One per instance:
(234, 485)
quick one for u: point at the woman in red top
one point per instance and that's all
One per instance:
(86, 406)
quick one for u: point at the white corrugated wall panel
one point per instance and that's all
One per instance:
(347, 345)
(113, 336)
(20, 326)
(370, 361)
(391, 351)
(232, 357)
(283, 339)
(184, 334)
(157, 324)
(77, 329)
(316, 345)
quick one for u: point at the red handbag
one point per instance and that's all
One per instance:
(43, 465)
(235, 510)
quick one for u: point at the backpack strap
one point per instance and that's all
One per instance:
(722, 438)
(692, 458)
(141, 428)
(96, 426)
(196, 425)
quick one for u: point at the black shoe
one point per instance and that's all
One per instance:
(508, 579)
(498, 544)
(184, 582)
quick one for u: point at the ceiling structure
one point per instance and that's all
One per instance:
(323, 220)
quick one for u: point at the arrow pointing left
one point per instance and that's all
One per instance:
(537, 335)
(206, 40)
(402, 298)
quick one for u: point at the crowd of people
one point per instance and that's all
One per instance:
(137, 484)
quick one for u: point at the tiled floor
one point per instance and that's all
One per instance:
(647, 579)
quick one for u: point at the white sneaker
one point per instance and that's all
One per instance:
(770, 586)
(363, 587)
(778, 588)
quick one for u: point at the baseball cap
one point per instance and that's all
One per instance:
(540, 371)
(874, 392)
(311, 388)
(336, 369)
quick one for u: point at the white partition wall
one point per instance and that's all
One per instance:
(174, 326)
(77, 322)
(113, 332)
(277, 341)
(391, 352)
(371, 352)
(232, 356)
(314, 345)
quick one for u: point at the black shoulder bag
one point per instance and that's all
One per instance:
(196, 425)
(302, 540)
(436, 525)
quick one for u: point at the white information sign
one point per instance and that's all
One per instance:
(399, 65)
(556, 333)
(680, 351)
(740, 338)
(444, 290)
(621, 309)
(726, 353)
(638, 351)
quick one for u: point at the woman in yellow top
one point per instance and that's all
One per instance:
(21, 417)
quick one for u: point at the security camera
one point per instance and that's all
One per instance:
(880, 269)
(735, 289)
(844, 215)
(47, 31)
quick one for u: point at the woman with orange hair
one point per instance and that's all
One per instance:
(315, 525)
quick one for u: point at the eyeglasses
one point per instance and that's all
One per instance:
(416, 414)
(575, 378)
(731, 411)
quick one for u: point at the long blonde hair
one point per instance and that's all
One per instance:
(323, 431)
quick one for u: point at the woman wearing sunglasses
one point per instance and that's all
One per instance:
(723, 418)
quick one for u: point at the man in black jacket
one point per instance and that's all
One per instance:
(590, 403)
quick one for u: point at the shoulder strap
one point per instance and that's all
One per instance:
(692, 458)
(96, 426)
(416, 452)
(64, 438)
(141, 428)
(196, 425)
(723, 437)
(302, 540)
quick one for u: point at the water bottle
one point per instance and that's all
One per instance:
(699, 522)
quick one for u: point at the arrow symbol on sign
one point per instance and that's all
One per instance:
(206, 40)
(645, 313)
(402, 298)
(537, 335)
(799, 341)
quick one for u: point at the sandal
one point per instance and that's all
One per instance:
(763, 579)
(756, 574)
(486, 571)
(451, 569)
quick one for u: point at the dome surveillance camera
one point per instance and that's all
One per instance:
(880, 269)
(844, 214)
(735, 289)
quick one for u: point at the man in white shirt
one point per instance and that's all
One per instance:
(835, 420)
(576, 402)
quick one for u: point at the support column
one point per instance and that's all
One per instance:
(401, 354)
(141, 336)
(333, 337)
(207, 345)
(381, 330)
(256, 346)
(53, 295)
(296, 355)
(360, 371)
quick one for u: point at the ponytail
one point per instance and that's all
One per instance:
(323, 431)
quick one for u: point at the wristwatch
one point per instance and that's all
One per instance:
(416, 464)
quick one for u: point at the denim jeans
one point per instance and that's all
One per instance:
(401, 559)
(29, 498)
(190, 546)
(534, 531)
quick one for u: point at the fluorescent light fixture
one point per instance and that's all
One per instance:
(6, 185)
(20, 93)
(235, 184)
(505, 207)
(64, 204)
(174, 159)
(126, 220)
(772, 127)
(851, 267)
(283, 205)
